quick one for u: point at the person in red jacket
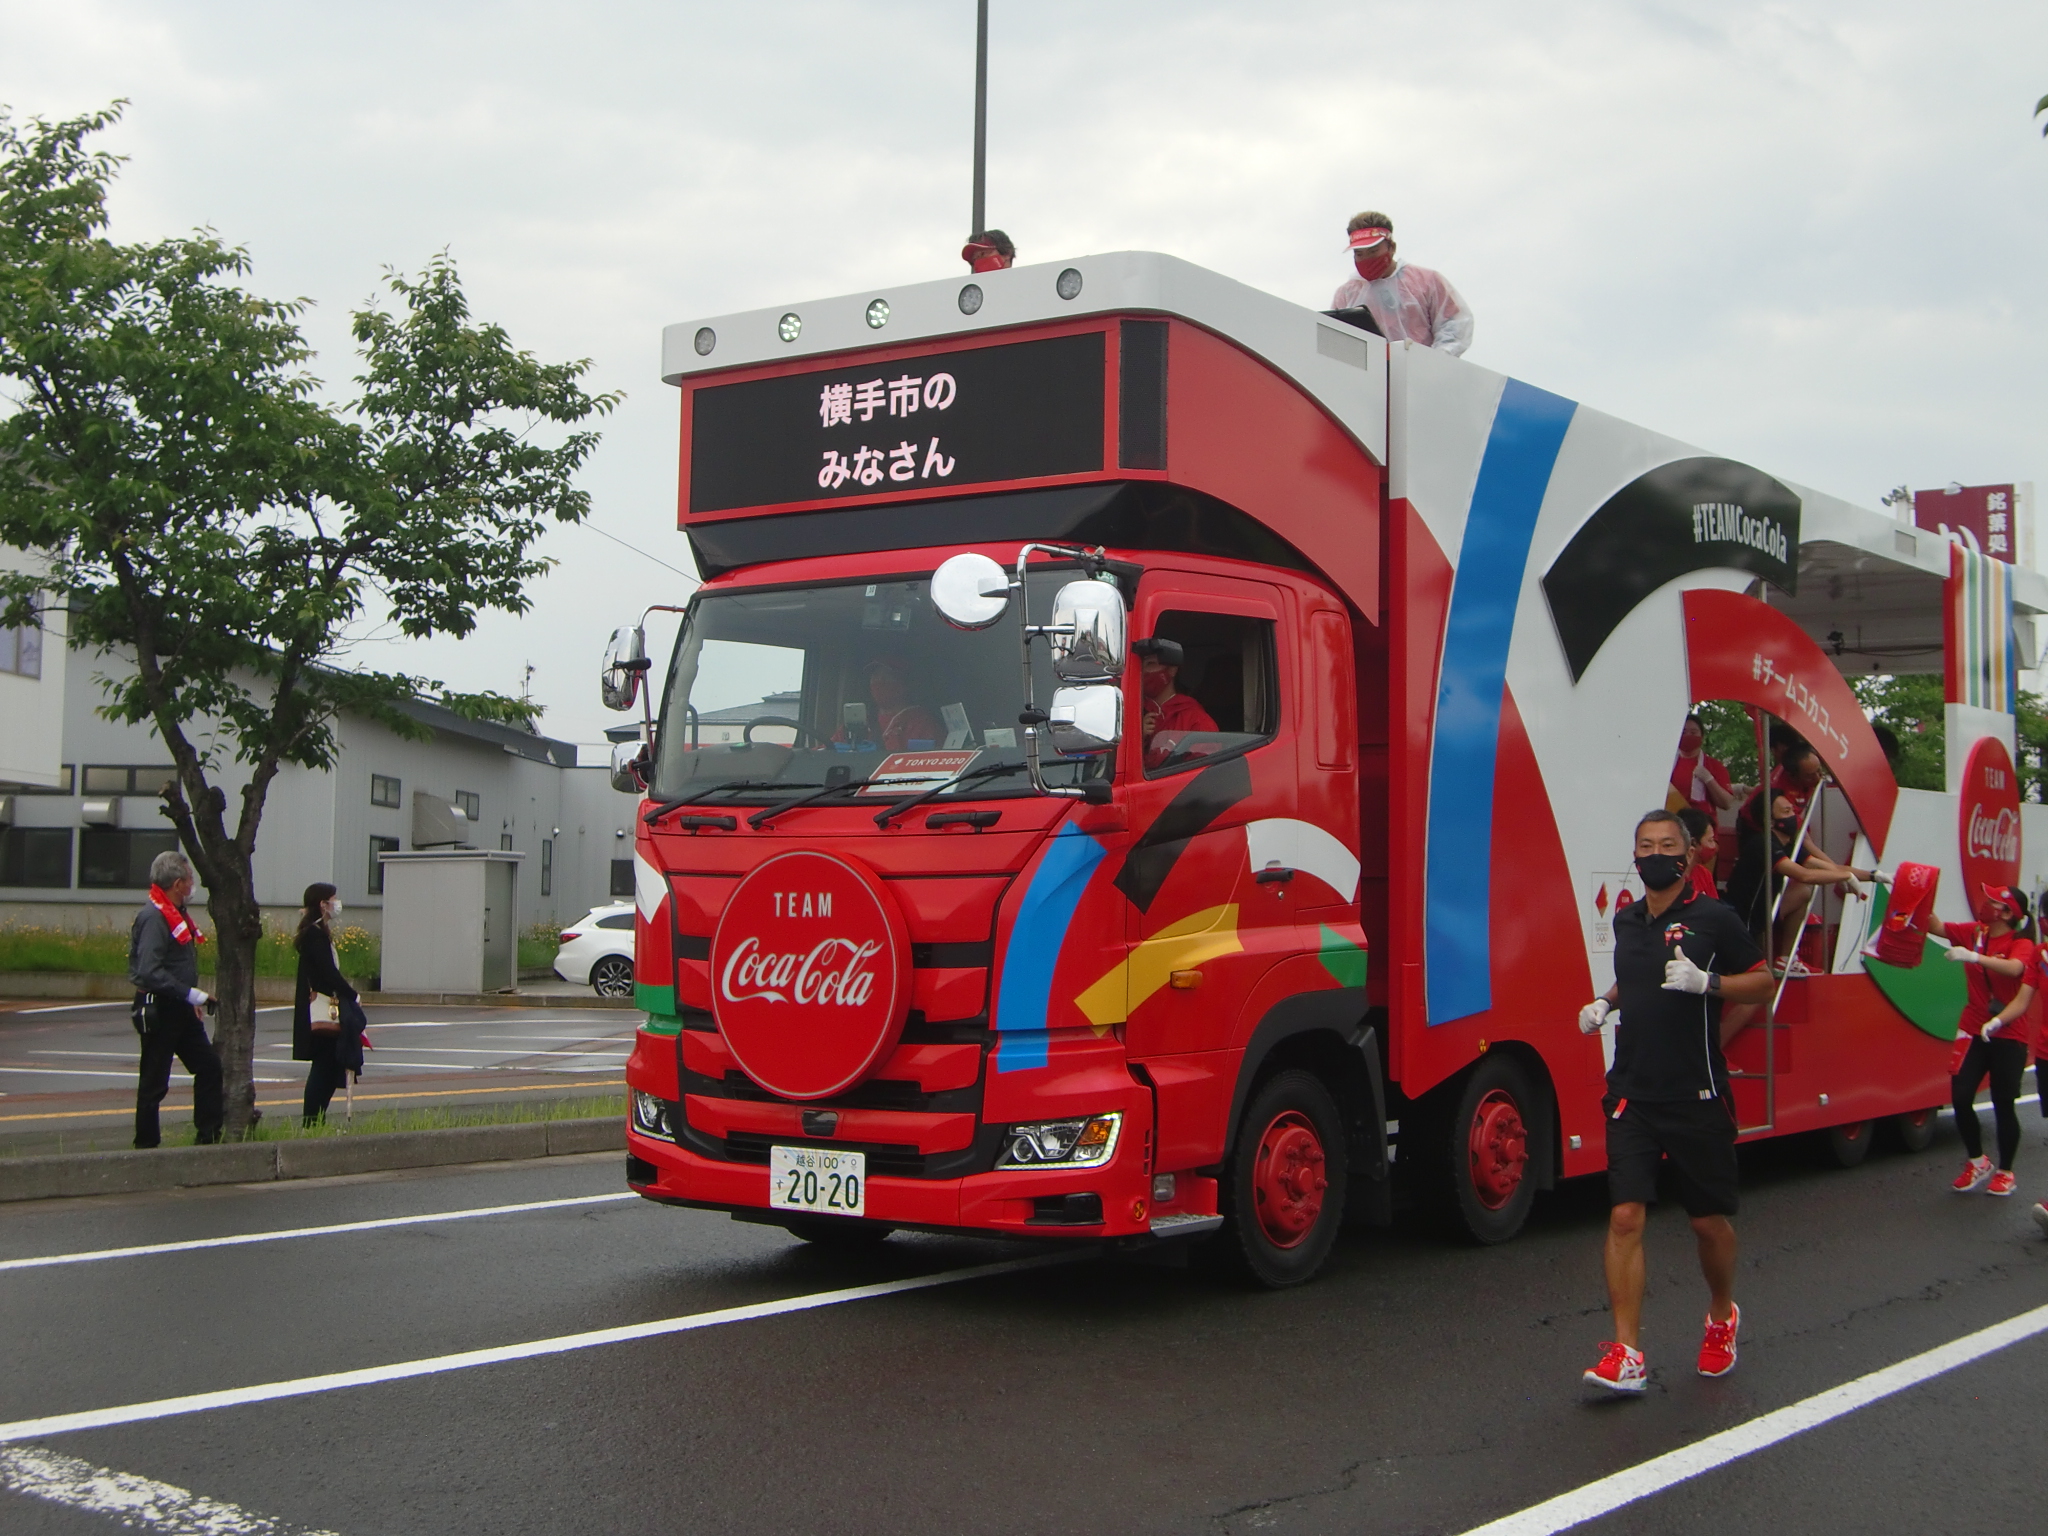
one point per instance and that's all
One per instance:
(1992, 1031)
(1702, 780)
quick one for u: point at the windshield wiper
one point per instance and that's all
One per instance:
(945, 786)
(734, 785)
(766, 814)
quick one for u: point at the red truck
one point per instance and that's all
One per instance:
(1151, 762)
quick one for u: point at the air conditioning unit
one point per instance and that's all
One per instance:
(101, 813)
(438, 824)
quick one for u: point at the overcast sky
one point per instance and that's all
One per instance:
(1810, 236)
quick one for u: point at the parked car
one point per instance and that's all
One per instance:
(598, 950)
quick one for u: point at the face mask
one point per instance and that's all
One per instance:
(1786, 825)
(334, 907)
(1155, 684)
(1372, 268)
(1660, 871)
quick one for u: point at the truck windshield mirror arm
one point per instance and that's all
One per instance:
(890, 813)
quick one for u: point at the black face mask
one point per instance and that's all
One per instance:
(1786, 826)
(1660, 871)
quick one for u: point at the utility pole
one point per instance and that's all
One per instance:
(980, 118)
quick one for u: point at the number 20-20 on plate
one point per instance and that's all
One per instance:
(814, 1179)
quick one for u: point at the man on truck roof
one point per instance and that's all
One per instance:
(1678, 956)
(1407, 302)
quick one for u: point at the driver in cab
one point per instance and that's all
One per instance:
(897, 724)
(1167, 709)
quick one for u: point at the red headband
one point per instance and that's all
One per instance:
(1370, 235)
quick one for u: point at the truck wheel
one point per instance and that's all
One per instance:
(837, 1231)
(1849, 1144)
(612, 977)
(1483, 1154)
(1285, 1187)
(1914, 1130)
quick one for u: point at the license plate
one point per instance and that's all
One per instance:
(813, 1179)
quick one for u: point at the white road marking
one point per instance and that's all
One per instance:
(307, 1386)
(138, 1503)
(75, 1007)
(1673, 1467)
(477, 1050)
(239, 1239)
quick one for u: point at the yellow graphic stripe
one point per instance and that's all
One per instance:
(1180, 946)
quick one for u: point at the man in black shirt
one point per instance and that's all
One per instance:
(1677, 956)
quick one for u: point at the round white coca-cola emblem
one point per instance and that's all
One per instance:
(1989, 819)
(810, 980)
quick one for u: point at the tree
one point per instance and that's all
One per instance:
(202, 512)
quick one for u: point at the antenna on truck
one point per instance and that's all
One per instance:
(980, 119)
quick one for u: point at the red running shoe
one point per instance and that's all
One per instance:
(1975, 1172)
(2002, 1183)
(1621, 1369)
(1717, 1349)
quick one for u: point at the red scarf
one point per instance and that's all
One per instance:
(180, 925)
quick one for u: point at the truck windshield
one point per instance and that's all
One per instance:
(793, 688)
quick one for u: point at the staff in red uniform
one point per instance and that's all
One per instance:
(1999, 951)
(1700, 779)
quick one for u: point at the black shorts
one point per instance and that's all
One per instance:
(1697, 1136)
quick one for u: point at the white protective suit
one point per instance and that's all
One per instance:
(1413, 304)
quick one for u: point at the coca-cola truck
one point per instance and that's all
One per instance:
(1149, 761)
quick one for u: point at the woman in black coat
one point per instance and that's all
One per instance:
(334, 1052)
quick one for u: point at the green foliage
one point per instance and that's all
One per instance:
(104, 952)
(1730, 737)
(1912, 705)
(200, 511)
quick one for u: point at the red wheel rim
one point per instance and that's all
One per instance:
(1498, 1149)
(1288, 1180)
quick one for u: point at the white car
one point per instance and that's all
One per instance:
(598, 950)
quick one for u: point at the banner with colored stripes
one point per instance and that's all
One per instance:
(1977, 621)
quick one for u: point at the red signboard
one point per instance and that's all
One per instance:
(1739, 648)
(1988, 819)
(1983, 517)
(810, 974)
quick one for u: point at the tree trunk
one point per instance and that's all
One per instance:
(238, 929)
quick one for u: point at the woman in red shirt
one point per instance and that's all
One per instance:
(1999, 950)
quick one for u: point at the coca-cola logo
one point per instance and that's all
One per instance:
(811, 983)
(1989, 829)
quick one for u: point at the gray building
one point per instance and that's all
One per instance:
(77, 838)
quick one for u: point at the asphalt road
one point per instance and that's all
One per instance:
(1415, 1387)
(67, 1071)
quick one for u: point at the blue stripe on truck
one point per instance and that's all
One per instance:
(1528, 430)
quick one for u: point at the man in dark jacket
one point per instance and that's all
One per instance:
(163, 966)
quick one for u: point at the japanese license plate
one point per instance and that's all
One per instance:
(813, 1179)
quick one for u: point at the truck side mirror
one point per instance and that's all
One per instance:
(630, 767)
(625, 660)
(970, 591)
(1087, 632)
(1085, 721)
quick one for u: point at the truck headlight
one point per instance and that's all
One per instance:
(650, 1116)
(1061, 1143)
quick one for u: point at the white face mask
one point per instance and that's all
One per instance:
(333, 907)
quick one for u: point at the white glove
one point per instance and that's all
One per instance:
(1963, 956)
(1992, 1028)
(1593, 1015)
(1681, 975)
(195, 997)
(1881, 877)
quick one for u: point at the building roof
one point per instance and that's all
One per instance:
(530, 745)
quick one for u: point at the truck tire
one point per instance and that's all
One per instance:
(837, 1231)
(1479, 1157)
(1914, 1130)
(1847, 1145)
(1287, 1180)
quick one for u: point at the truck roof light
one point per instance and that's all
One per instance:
(707, 338)
(790, 326)
(1068, 284)
(878, 313)
(970, 299)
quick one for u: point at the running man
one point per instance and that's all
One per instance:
(2000, 955)
(1678, 956)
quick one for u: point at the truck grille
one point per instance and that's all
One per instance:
(883, 1157)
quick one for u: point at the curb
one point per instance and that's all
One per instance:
(258, 1162)
(93, 986)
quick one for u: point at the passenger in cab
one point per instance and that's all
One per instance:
(1999, 950)
(899, 725)
(1407, 302)
(1701, 781)
(989, 251)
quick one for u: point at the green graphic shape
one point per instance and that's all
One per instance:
(1931, 994)
(1344, 960)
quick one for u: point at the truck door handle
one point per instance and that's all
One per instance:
(1274, 874)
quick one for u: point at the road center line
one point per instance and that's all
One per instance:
(241, 1238)
(307, 1386)
(139, 1503)
(1673, 1467)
